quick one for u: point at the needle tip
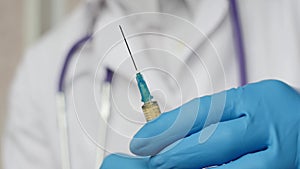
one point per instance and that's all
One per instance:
(128, 48)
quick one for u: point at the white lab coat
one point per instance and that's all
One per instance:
(173, 73)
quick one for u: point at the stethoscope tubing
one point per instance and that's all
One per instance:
(61, 106)
(239, 41)
(68, 58)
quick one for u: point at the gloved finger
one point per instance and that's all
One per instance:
(185, 120)
(117, 161)
(228, 142)
(250, 161)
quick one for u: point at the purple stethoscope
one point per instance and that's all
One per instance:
(61, 103)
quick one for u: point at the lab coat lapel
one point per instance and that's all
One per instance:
(207, 19)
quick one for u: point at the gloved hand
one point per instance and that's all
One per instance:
(120, 161)
(259, 129)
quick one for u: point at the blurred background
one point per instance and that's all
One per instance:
(21, 24)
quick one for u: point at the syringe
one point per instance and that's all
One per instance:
(150, 107)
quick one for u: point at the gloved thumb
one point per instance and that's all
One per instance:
(185, 120)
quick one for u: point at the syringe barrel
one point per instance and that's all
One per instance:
(151, 110)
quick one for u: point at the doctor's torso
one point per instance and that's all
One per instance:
(183, 57)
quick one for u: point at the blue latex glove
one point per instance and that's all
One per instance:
(120, 161)
(259, 129)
